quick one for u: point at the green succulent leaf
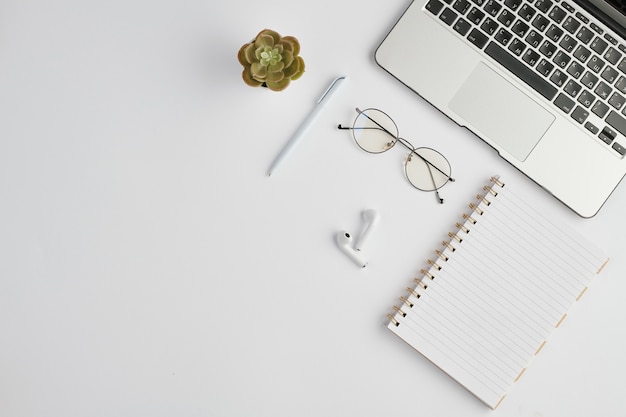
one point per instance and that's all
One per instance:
(264, 40)
(258, 70)
(278, 86)
(300, 71)
(290, 40)
(277, 67)
(275, 36)
(275, 77)
(287, 58)
(249, 79)
(241, 56)
(249, 53)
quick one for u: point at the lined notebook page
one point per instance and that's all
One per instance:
(491, 296)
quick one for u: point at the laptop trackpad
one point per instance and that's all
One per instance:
(504, 114)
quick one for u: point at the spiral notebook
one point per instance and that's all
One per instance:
(488, 300)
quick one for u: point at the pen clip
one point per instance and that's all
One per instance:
(335, 82)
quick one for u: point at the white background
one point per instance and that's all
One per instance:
(148, 266)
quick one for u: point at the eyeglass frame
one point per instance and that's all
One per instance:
(404, 143)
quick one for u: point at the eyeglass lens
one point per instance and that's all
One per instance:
(375, 132)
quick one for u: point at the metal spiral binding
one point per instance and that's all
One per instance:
(448, 245)
(476, 209)
(427, 274)
(483, 199)
(461, 227)
(442, 255)
(435, 264)
(455, 236)
(419, 282)
(470, 218)
(497, 181)
(490, 190)
(413, 293)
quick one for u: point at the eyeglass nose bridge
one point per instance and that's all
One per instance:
(406, 144)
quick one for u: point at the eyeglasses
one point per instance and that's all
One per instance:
(425, 168)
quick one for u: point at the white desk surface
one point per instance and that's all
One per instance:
(149, 267)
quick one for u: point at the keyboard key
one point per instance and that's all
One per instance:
(572, 88)
(512, 4)
(607, 135)
(461, 6)
(582, 54)
(526, 12)
(582, 18)
(580, 115)
(475, 15)
(617, 101)
(554, 33)
(589, 80)
(544, 67)
(434, 6)
(478, 38)
(598, 30)
(568, 43)
(599, 45)
(527, 75)
(619, 148)
(622, 66)
(575, 69)
(540, 22)
(561, 59)
(558, 78)
(534, 39)
(503, 36)
(603, 90)
(617, 122)
(448, 16)
(543, 5)
(506, 18)
(595, 64)
(462, 26)
(610, 74)
(517, 46)
(492, 7)
(586, 98)
(447, 1)
(592, 128)
(479, 2)
(610, 38)
(548, 49)
(531, 57)
(600, 109)
(557, 14)
(613, 56)
(564, 103)
(585, 35)
(567, 7)
(621, 84)
(489, 26)
(571, 25)
(520, 28)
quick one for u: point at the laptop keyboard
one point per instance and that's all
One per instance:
(556, 50)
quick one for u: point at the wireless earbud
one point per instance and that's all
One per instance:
(344, 241)
(371, 217)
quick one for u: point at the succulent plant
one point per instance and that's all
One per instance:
(271, 60)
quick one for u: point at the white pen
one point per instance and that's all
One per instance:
(307, 123)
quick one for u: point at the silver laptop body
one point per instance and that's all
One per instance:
(541, 81)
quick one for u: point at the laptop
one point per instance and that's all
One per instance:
(543, 82)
